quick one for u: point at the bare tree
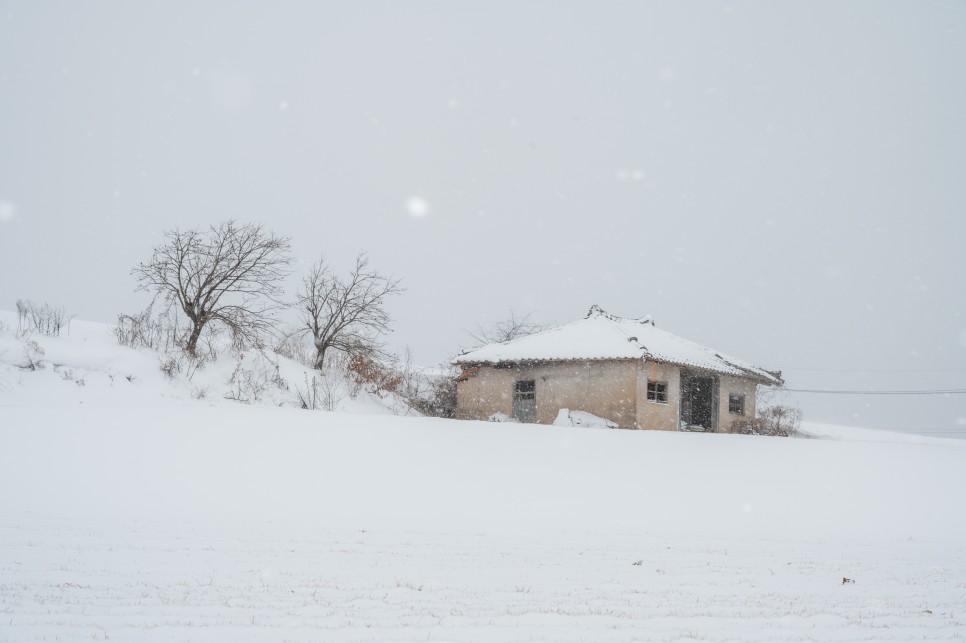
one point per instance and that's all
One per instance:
(344, 314)
(228, 274)
(506, 330)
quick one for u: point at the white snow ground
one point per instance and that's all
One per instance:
(130, 511)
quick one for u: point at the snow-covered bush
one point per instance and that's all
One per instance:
(33, 353)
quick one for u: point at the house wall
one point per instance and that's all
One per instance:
(616, 390)
(735, 386)
(654, 415)
(605, 388)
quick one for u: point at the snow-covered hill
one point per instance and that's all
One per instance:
(133, 511)
(85, 364)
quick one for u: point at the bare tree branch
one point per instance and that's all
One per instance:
(506, 330)
(228, 274)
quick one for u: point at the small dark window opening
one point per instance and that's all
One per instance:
(657, 392)
(736, 404)
(525, 389)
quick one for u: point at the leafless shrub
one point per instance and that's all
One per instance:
(322, 392)
(44, 318)
(342, 313)
(367, 371)
(441, 401)
(331, 393)
(773, 416)
(414, 383)
(147, 329)
(227, 275)
(293, 347)
(309, 395)
(780, 419)
(775, 413)
(250, 382)
(170, 366)
(69, 376)
(245, 386)
(177, 364)
(433, 395)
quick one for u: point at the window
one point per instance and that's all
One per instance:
(736, 404)
(524, 389)
(657, 392)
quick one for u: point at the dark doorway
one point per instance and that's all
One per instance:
(525, 401)
(699, 395)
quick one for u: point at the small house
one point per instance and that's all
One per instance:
(624, 370)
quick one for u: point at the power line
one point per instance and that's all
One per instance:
(894, 371)
(952, 391)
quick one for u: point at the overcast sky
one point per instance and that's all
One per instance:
(782, 181)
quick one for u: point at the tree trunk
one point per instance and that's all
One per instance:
(320, 357)
(192, 345)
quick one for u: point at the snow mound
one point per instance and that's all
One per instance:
(566, 417)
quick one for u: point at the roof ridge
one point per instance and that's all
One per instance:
(615, 322)
(597, 311)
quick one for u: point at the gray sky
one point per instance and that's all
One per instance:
(781, 181)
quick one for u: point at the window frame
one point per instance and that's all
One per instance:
(656, 390)
(525, 389)
(736, 400)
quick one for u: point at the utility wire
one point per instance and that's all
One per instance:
(884, 370)
(952, 391)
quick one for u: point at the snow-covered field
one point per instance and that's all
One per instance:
(131, 511)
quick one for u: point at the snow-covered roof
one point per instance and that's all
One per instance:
(603, 336)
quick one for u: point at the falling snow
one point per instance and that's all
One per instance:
(417, 207)
(7, 211)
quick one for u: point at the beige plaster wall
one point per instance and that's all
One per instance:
(616, 390)
(654, 415)
(607, 389)
(736, 386)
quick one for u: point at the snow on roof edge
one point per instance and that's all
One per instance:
(591, 339)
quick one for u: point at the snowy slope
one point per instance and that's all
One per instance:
(137, 514)
(86, 364)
